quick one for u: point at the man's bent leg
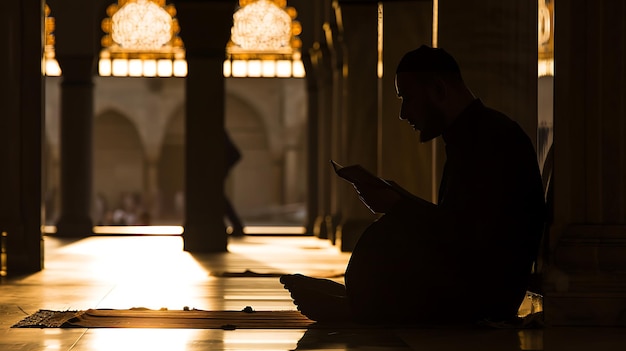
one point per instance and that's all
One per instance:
(394, 277)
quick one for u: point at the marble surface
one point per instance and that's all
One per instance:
(154, 272)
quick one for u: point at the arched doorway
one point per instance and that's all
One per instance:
(118, 188)
(171, 171)
(253, 185)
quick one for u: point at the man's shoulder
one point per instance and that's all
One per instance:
(496, 116)
(498, 123)
(496, 134)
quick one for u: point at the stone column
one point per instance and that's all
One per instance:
(585, 281)
(335, 121)
(325, 74)
(205, 29)
(76, 146)
(356, 126)
(313, 112)
(21, 134)
(310, 16)
(75, 51)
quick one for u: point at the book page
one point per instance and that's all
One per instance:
(356, 174)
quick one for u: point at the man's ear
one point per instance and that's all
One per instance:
(438, 92)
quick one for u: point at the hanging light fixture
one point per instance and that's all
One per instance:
(264, 41)
(49, 64)
(142, 40)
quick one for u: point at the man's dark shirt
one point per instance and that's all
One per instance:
(469, 257)
(493, 201)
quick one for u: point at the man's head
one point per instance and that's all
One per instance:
(429, 82)
(428, 60)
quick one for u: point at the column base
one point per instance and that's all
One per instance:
(205, 238)
(585, 309)
(585, 283)
(323, 228)
(21, 254)
(74, 227)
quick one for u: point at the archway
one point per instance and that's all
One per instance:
(254, 183)
(118, 178)
(171, 172)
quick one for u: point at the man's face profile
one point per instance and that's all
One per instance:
(419, 106)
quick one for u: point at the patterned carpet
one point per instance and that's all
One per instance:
(145, 318)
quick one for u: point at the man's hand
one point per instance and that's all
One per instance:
(377, 198)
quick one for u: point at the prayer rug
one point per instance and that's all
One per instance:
(146, 318)
(226, 320)
(252, 274)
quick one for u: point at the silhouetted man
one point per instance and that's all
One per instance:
(469, 257)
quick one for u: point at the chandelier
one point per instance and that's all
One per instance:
(142, 40)
(264, 41)
(49, 64)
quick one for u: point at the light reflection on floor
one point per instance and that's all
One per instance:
(135, 260)
(191, 339)
(178, 230)
(262, 340)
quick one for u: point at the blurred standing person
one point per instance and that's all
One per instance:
(232, 155)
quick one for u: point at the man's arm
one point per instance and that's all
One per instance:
(383, 199)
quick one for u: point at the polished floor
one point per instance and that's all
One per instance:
(154, 272)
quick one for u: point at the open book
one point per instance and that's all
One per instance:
(356, 174)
